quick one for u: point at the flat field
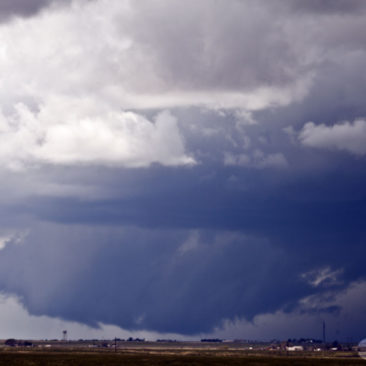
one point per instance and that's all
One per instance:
(121, 359)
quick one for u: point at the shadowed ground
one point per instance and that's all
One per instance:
(81, 359)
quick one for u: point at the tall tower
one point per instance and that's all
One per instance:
(64, 335)
(324, 339)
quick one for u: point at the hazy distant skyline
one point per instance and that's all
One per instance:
(183, 169)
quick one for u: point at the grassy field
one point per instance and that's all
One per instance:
(94, 359)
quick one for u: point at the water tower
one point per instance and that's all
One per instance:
(64, 335)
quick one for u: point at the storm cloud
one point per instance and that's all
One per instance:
(184, 169)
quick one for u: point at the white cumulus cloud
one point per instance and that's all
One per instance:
(84, 135)
(348, 136)
(65, 77)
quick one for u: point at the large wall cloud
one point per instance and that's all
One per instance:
(188, 169)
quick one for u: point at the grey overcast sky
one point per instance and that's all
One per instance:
(183, 169)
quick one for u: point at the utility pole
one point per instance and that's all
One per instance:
(324, 339)
(115, 344)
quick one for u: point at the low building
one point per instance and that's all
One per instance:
(294, 348)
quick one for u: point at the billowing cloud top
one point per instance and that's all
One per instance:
(197, 166)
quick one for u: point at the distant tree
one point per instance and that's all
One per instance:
(10, 342)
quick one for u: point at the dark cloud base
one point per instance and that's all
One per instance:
(24, 8)
(122, 262)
